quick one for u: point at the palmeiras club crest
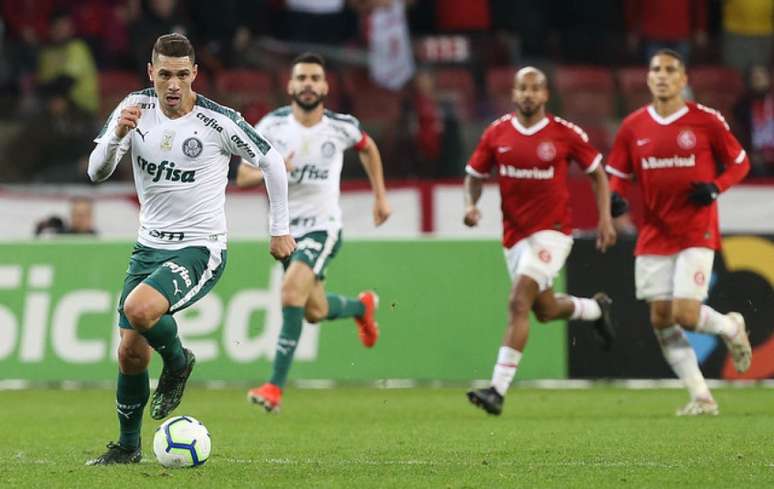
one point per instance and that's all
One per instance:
(192, 147)
(328, 149)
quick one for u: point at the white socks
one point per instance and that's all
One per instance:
(680, 356)
(585, 309)
(507, 363)
(712, 322)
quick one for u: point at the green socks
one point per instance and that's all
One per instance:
(132, 394)
(343, 307)
(292, 322)
(164, 339)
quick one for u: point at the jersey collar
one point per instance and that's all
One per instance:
(665, 121)
(529, 131)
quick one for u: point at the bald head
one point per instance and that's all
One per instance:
(532, 73)
(530, 91)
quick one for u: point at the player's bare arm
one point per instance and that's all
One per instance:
(248, 176)
(473, 188)
(372, 163)
(606, 235)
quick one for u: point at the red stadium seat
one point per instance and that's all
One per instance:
(371, 102)
(114, 85)
(717, 87)
(633, 85)
(499, 89)
(457, 85)
(203, 84)
(334, 99)
(599, 137)
(240, 88)
(587, 93)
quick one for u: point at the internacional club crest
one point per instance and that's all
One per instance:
(686, 139)
(192, 147)
(546, 151)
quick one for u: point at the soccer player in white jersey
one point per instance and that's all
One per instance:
(180, 146)
(313, 141)
(530, 151)
(672, 149)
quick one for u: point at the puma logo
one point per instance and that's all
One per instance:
(141, 134)
(177, 289)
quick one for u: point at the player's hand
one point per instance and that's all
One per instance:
(618, 205)
(382, 211)
(282, 247)
(289, 161)
(127, 120)
(472, 216)
(606, 234)
(703, 193)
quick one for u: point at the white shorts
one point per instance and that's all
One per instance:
(539, 256)
(684, 275)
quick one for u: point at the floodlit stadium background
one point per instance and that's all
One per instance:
(425, 78)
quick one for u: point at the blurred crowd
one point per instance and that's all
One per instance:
(55, 53)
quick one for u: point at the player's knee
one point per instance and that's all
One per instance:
(291, 295)
(687, 318)
(315, 314)
(141, 316)
(518, 304)
(132, 359)
(545, 314)
(661, 319)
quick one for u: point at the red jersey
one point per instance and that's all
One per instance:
(531, 166)
(666, 155)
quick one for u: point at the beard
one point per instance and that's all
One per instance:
(307, 106)
(527, 111)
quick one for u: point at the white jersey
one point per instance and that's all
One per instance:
(181, 169)
(318, 156)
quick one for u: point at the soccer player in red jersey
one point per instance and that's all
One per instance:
(671, 148)
(530, 151)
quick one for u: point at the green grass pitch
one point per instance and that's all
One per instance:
(351, 437)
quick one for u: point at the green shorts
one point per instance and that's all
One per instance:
(182, 276)
(316, 249)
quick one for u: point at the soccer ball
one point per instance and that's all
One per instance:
(181, 441)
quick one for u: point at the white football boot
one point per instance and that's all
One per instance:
(739, 345)
(699, 407)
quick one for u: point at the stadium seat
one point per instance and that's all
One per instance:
(717, 87)
(241, 88)
(371, 102)
(457, 85)
(599, 137)
(334, 99)
(499, 89)
(114, 85)
(633, 86)
(586, 92)
(203, 85)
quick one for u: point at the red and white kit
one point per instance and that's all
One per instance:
(676, 243)
(531, 165)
